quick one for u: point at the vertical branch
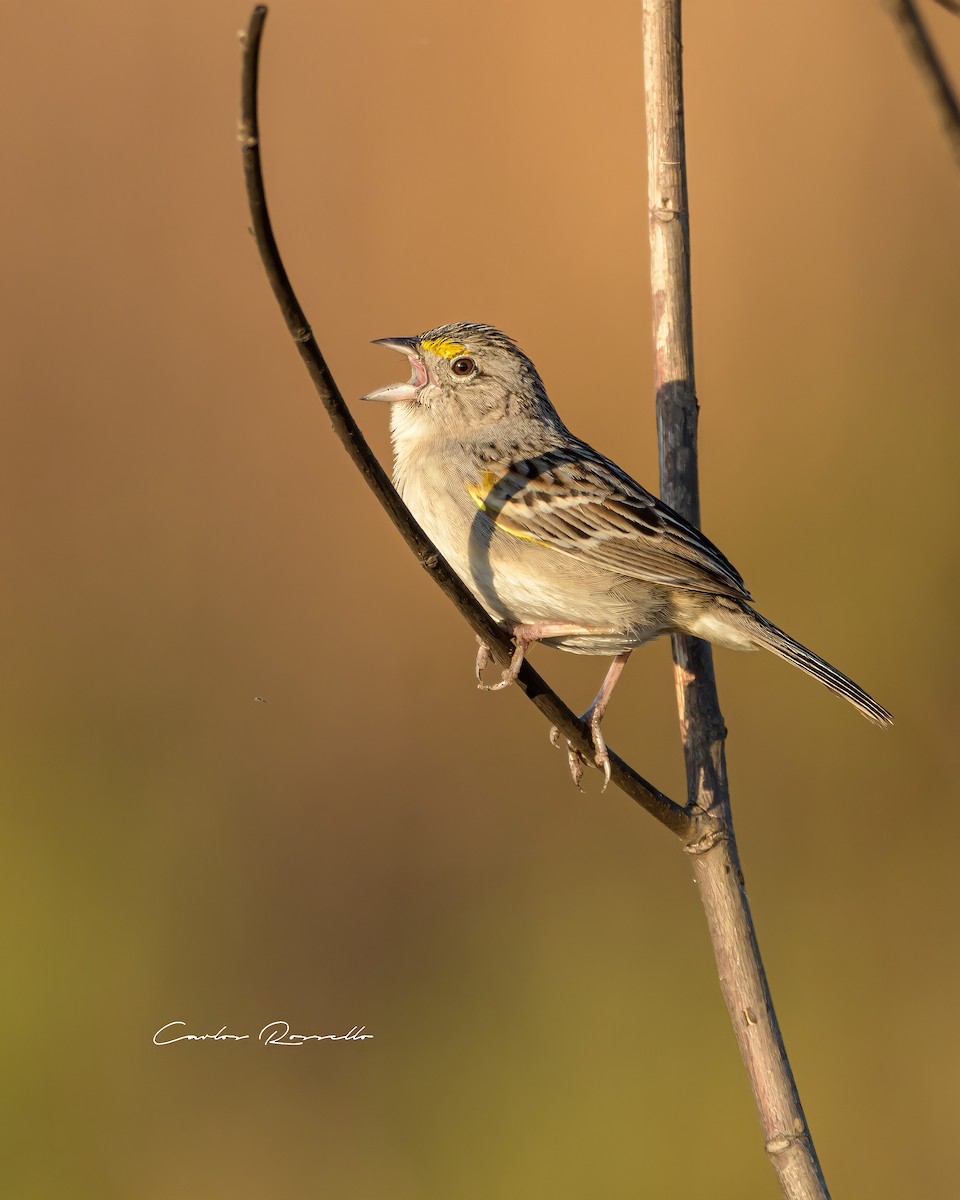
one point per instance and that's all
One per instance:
(716, 861)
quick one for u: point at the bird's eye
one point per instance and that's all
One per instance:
(464, 366)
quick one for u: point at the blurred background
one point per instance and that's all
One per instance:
(377, 843)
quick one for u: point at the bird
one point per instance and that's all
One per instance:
(557, 543)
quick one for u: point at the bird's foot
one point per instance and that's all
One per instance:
(601, 757)
(575, 760)
(524, 637)
(483, 658)
(510, 673)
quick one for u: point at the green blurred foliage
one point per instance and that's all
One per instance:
(378, 843)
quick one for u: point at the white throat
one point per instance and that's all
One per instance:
(407, 432)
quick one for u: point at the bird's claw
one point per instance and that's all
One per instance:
(601, 755)
(576, 761)
(483, 658)
(505, 680)
(526, 635)
(510, 673)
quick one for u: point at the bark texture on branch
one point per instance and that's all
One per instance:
(716, 861)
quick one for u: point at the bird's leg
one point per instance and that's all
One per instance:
(523, 638)
(596, 712)
(594, 715)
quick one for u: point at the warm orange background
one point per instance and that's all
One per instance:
(379, 843)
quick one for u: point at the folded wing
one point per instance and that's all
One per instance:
(576, 502)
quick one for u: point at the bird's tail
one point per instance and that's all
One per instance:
(768, 636)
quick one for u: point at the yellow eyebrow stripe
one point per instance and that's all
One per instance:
(480, 494)
(444, 347)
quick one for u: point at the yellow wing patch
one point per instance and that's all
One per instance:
(444, 347)
(482, 496)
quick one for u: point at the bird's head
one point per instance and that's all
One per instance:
(465, 377)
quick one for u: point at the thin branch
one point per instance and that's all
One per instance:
(717, 864)
(691, 827)
(930, 65)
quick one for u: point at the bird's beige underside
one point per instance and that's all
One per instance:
(519, 543)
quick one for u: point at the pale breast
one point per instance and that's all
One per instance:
(520, 581)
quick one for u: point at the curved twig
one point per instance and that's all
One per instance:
(690, 826)
(929, 64)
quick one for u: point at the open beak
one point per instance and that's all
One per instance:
(402, 391)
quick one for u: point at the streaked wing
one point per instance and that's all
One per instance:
(574, 501)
